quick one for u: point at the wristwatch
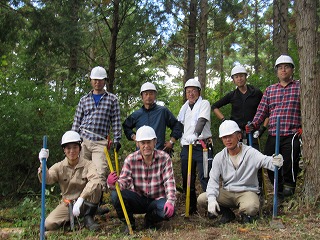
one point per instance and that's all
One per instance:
(172, 143)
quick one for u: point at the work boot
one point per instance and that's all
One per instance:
(246, 218)
(288, 191)
(227, 215)
(102, 210)
(151, 219)
(89, 212)
(126, 229)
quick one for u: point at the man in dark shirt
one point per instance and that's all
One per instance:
(244, 101)
(153, 115)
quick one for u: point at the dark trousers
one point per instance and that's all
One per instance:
(136, 204)
(285, 149)
(197, 163)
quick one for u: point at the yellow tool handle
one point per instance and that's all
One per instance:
(116, 159)
(119, 193)
(188, 181)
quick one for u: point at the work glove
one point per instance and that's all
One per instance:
(191, 138)
(112, 178)
(44, 153)
(259, 132)
(213, 207)
(277, 160)
(250, 128)
(117, 146)
(76, 207)
(168, 209)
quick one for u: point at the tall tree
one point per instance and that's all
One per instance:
(308, 37)
(191, 48)
(280, 27)
(202, 66)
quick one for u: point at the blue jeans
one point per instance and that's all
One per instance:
(136, 204)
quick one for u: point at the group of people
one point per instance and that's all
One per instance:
(147, 179)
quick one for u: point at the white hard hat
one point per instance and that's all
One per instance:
(238, 69)
(148, 86)
(70, 137)
(228, 127)
(192, 83)
(98, 73)
(284, 59)
(145, 133)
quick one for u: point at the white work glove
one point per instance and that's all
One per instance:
(191, 138)
(213, 207)
(76, 207)
(277, 160)
(44, 153)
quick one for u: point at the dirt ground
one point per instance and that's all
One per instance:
(298, 221)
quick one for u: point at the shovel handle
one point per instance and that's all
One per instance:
(119, 193)
(188, 181)
(275, 187)
(43, 191)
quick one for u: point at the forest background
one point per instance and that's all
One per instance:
(47, 49)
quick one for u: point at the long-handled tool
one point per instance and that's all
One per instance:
(188, 181)
(119, 193)
(116, 159)
(71, 217)
(43, 191)
(276, 222)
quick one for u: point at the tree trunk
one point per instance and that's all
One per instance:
(203, 45)
(222, 74)
(190, 67)
(308, 38)
(256, 38)
(113, 46)
(280, 27)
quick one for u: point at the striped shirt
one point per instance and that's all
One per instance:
(98, 119)
(283, 102)
(154, 181)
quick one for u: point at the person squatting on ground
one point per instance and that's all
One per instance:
(237, 166)
(156, 116)
(97, 111)
(244, 101)
(146, 181)
(195, 116)
(79, 183)
(282, 99)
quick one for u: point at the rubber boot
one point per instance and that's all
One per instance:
(151, 219)
(89, 212)
(227, 215)
(246, 218)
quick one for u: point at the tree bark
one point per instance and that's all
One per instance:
(113, 46)
(190, 66)
(308, 39)
(280, 27)
(203, 45)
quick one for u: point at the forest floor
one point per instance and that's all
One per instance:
(300, 221)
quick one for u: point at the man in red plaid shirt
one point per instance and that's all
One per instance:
(146, 181)
(282, 99)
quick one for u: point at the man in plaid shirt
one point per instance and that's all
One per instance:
(282, 99)
(146, 181)
(96, 113)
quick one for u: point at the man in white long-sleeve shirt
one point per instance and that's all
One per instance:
(237, 165)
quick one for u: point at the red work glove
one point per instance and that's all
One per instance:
(250, 128)
(168, 209)
(112, 178)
